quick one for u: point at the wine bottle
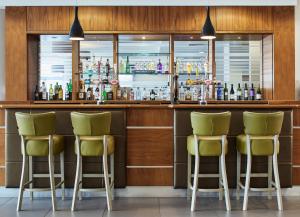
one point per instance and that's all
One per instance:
(60, 93)
(127, 70)
(44, 91)
(258, 94)
(152, 95)
(89, 95)
(239, 92)
(246, 97)
(232, 93)
(51, 92)
(219, 92)
(36, 93)
(225, 92)
(159, 67)
(252, 92)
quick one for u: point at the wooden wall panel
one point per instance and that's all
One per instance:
(149, 147)
(94, 18)
(296, 146)
(2, 117)
(244, 19)
(267, 74)
(284, 53)
(32, 64)
(48, 18)
(2, 176)
(2, 147)
(150, 117)
(296, 117)
(15, 54)
(150, 177)
(296, 176)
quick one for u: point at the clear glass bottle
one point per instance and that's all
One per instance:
(44, 91)
(51, 92)
(181, 92)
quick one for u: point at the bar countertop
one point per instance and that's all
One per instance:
(125, 105)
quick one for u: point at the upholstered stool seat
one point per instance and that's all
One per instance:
(40, 148)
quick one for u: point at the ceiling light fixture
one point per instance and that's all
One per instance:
(208, 30)
(76, 32)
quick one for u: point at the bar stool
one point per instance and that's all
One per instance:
(209, 140)
(93, 140)
(38, 140)
(260, 139)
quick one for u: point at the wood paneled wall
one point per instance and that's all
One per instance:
(2, 148)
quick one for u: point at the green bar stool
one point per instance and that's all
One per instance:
(93, 140)
(209, 140)
(260, 139)
(38, 139)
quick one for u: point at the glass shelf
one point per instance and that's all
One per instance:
(143, 54)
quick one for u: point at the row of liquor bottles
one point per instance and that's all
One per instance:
(55, 92)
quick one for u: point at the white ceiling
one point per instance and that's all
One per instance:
(4, 3)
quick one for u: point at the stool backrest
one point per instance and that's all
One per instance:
(38, 124)
(210, 124)
(91, 124)
(263, 124)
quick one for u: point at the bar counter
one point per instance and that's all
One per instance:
(150, 142)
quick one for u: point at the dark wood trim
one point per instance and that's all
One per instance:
(75, 70)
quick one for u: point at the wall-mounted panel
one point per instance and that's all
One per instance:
(15, 54)
(48, 18)
(244, 19)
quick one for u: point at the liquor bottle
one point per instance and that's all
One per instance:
(97, 93)
(67, 95)
(70, 89)
(159, 67)
(44, 91)
(219, 92)
(138, 95)
(131, 94)
(81, 94)
(51, 92)
(127, 70)
(225, 92)
(258, 94)
(56, 87)
(119, 93)
(110, 95)
(103, 93)
(181, 92)
(188, 95)
(122, 67)
(195, 95)
(144, 94)
(246, 94)
(89, 94)
(60, 93)
(239, 92)
(152, 95)
(252, 92)
(232, 94)
(36, 93)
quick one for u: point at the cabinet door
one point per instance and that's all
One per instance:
(47, 19)
(243, 19)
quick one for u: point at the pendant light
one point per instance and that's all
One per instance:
(208, 30)
(76, 32)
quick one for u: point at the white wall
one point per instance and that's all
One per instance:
(297, 50)
(2, 74)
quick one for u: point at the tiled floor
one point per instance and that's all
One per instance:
(151, 207)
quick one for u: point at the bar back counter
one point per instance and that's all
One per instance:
(158, 141)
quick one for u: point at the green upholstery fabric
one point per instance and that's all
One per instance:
(206, 148)
(41, 147)
(258, 147)
(40, 124)
(260, 124)
(32, 126)
(93, 124)
(208, 124)
(95, 148)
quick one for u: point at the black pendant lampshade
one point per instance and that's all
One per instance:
(208, 30)
(76, 32)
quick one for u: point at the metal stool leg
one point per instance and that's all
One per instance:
(30, 170)
(269, 176)
(51, 173)
(62, 175)
(106, 179)
(238, 174)
(276, 175)
(21, 190)
(189, 172)
(196, 171)
(112, 174)
(220, 180)
(248, 174)
(80, 180)
(224, 175)
(77, 178)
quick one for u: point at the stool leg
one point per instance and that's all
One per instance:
(248, 174)
(30, 170)
(62, 175)
(276, 174)
(80, 180)
(51, 173)
(189, 172)
(77, 179)
(270, 177)
(220, 180)
(238, 174)
(112, 175)
(224, 175)
(21, 189)
(106, 179)
(196, 171)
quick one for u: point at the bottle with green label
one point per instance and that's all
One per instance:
(225, 91)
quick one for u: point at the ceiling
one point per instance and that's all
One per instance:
(4, 3)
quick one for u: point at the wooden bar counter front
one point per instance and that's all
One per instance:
(150, 143)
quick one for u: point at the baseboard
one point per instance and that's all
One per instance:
(144, 191)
